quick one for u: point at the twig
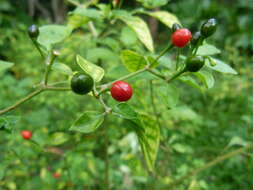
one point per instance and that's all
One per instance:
(218, 160)
(31, 95)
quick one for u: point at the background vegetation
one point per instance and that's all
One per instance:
(204, 124)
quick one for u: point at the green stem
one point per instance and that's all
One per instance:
(48, 66)
(177, 74)
(38, 48)
(30, 96)
(218, 160)
(163, 52)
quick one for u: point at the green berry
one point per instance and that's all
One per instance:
(81, 83)
(194, 64)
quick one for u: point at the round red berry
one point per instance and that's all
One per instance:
(121, 91)
(181, 37)
(26, 134)
(56, 175)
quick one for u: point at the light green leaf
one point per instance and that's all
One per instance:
(63, 68)
(220, 66)
(237, 141)
(58, 138)
(153, 3)
(206, 77)
(147, 130)
(96, 72)
(5, 65)
(141, 29)
(207, 49)
(52, 34)
(3, 167)
(149, 140)
(190, 81)
(132, 60)
(128, 36)
(90, 13)
(88, 122)
(169, 94)
(165, 17)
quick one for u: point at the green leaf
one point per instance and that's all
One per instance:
(3, 167)
(153, 3)
(90, 13)
(165, 17)
(128, 36)
(132, 60)
(146, 129)
(220, 66)
(141, 29)
(8, 122)
(207, 49)
(206, 77)
(88, 122)
(237, 141)
(96, 72)
(149, 140)
(152, 61)
(169, 95)
(5, 65)
(76, 21)
(52, 34)
(190, 81)
(63, 68)
(58, 138)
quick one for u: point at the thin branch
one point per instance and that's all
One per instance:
(218, 160)
(30, 96)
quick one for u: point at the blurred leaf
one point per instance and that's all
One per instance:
(220, 66)
(58, 138)
(63, 68)
(141, 29)
(237, 141)
(96, 72)
(8, 122)
(190, 81)
(3, 167)
(165, 17)
(5, 65)
(153, 3)
(52, 34)
(149, 140)
(169, 95)
(76, 21)
(128, 36)
(206, 77)
(90, 13)
(152, 61)
(132, 60)
(207, 49)
(102, 53)
(88, 122)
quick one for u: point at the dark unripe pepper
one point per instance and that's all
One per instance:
(121, 91)
(209, 27)
(175, 27)
(196, 38)
(181, 37)
(81, 83)
(33, 31)
(194, 64)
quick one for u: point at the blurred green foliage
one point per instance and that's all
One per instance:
(194, 131)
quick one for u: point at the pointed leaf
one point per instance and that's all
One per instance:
(96, 72)
(149, 140)
(207, 49)
(165, 17)
(141, 29)
(63, 68)
(206, 77)
(220, 66)
(5, 65)
(132, 60)
(88, 122)
(52, 34)
(190, 81)
(58, 138)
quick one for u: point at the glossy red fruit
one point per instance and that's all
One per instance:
(181, 37)
(56, 175)
(121, 91)
(26, 134)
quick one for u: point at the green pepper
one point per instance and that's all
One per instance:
(194, 64)
(81, 83)
(209, 27)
